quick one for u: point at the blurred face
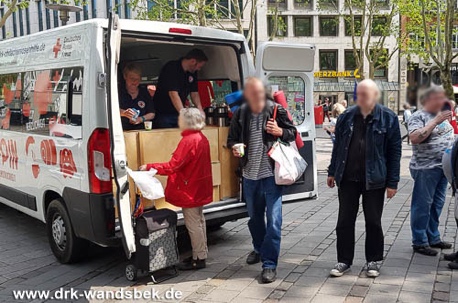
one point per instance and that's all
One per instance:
(132, 81)
(255, 95)
(195, 66)
(366, 97)
(435, 102)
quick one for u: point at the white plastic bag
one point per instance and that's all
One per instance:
(289, 164)
(150, 187)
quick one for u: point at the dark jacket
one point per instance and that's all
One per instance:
(240, 126)
(383, 148)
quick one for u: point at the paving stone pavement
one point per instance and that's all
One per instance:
(308, 253)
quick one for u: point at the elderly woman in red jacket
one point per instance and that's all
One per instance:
(189, 183)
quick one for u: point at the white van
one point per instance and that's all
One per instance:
(61, 140)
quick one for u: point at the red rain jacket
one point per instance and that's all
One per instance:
(190, 181)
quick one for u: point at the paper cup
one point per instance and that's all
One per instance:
(240, 148)
(148, 125)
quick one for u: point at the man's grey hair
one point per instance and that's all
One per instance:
(192, 118)
(427, 93)
(369, 83)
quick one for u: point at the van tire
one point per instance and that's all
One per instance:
(66, 247)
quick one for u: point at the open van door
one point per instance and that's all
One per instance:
(118, 149)
(289, 67)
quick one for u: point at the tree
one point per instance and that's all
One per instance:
(369, 24)
(430, 24)
(11, 7)
(202, 13)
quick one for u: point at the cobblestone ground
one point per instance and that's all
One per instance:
(308, 253)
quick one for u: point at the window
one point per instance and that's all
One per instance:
(303, 4)
(383, 3)
(328, 3)
(294, 89)
(379, 26)
(382, 63)
(357, 25)
(277, 3)
(303, 27)
(455, 38)
(47, 102)
(328, 60)
(329, 26)
(350, 60)
(277, 24)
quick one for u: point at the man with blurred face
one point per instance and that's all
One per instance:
(430, 134)
(253, 126)
(177, 81)
(365, 163)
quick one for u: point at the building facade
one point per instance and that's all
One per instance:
(306, 21)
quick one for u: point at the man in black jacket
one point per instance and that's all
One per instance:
(253, 126)
(365, 162)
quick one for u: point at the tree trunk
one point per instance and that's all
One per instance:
(201, 18)
(8, 12)
(446, 80)
(371, 70)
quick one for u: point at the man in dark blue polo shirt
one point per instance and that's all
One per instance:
(177, 80)
(133, 98)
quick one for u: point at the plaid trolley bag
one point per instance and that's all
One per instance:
(155, 239)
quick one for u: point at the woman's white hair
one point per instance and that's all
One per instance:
(369, 83)
(192, 118)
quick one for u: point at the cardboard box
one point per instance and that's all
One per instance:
(216, 173)
(230, 186)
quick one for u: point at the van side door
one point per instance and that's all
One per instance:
(118, 148)
(289, 67)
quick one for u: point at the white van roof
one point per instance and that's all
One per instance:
(145, 26)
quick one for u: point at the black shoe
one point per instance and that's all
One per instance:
(339, 270)
(442, 245)
(253, 258)
(193, 265)
(268, 275)
(187, 260)
(451, 257)
(453, 265)
(425, 250)
(372, 270)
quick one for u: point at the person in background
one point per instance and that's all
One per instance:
(453, 120)
(326, 109)
(405, 119)
(344, 103)
(177, 80)
(365, 162)
(134, 98)
(431, 134)
(337, 110)
(189, 183)
(253, 126)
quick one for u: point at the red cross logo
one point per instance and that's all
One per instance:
(56, 48)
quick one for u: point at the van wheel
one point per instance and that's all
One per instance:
(64, 244)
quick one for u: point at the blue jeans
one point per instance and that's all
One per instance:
(428, 199)
(264, 199)
(165, 121)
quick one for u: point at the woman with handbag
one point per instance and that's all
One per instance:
(189, 183)
(253, 126)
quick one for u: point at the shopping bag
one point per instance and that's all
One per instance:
(289, 164)
(149, 186)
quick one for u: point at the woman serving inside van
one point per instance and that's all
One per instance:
(135, 102)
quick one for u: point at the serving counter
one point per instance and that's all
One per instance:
(157, 145)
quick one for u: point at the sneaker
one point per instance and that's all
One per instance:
(425, 250)
(372, 269)
(451, 257)
(193, 265)
(442, 245)
(268, 275)
(339, 269)
(253, 258)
